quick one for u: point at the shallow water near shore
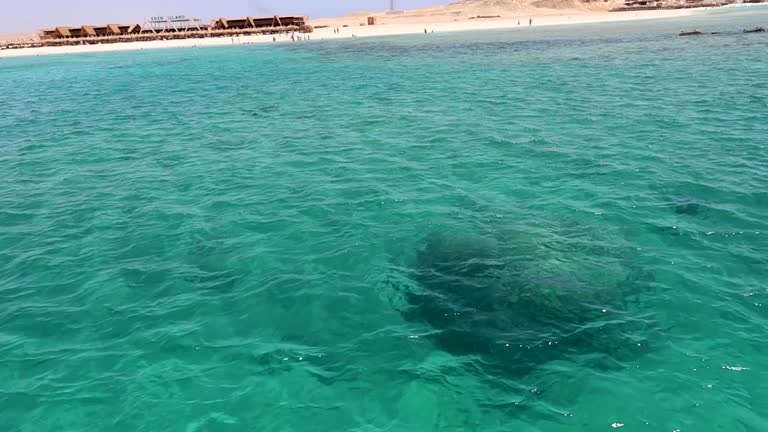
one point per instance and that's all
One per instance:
(218, 239)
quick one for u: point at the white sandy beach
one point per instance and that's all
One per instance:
(437, 19)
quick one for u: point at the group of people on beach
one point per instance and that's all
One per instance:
(293, 36)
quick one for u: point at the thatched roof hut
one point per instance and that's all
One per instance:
(129, 29)
(62, 32)
(237, 23)
(221, 23)
(46, 34)
(101, 30)
(90, 31)
(259, 22)
(294, 20)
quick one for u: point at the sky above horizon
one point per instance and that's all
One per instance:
(32, 15)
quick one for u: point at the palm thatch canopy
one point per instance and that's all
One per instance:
(259, 22)
(62, 32)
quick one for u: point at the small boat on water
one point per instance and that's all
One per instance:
(691, 33)
(754, 30)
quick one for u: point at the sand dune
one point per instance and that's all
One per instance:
(484, 10)
(504, 8)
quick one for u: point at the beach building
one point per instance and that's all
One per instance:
(260, 22)
(177, 23)
(172, 27)
(64, 32)
(89, 31)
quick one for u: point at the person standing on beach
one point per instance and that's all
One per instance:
(530, 22)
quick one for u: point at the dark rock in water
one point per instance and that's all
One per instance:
(265, 109)
(688, 208)
(500, 305)
(755, 30)
(691, 33)
(683, 204)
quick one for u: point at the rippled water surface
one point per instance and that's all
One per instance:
(243, 238)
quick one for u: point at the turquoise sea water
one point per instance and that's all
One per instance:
(223, 239)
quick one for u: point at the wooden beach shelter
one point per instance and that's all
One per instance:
(221, 24)
(259, 22)
(88, 31)
(113, 30)
(47, 34)
(293, 20)
(62, 32)
(101, 30)
(239, 23)
(265, 22)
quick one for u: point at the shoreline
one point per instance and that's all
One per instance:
(394, 26)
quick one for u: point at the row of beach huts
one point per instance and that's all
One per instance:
(164, 28)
